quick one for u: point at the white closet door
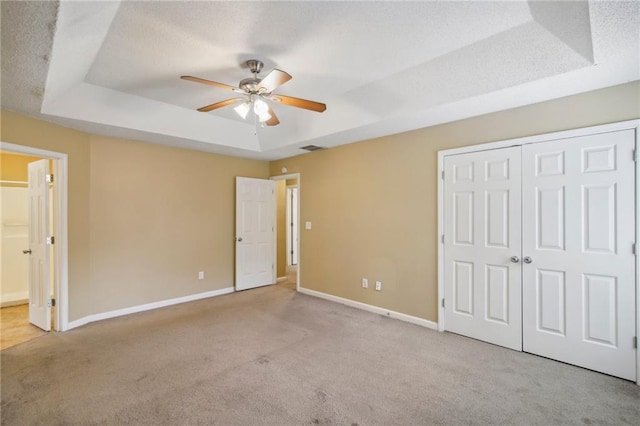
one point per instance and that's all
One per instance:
(482, 232)
(578, 230)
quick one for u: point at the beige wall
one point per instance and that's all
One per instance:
(158, 216)
(22, 130)
(14, 167)
(143, 218)
(373, 204)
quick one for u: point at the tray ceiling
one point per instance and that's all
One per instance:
(112, 68)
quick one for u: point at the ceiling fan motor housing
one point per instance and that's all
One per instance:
(254, 65)
(250, 85)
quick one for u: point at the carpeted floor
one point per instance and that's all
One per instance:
(271, 356)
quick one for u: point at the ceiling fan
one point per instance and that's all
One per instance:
(255, 91)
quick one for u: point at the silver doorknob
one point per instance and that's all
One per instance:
(239, 239)
(527, 259)
(515, 259)
(26, 251)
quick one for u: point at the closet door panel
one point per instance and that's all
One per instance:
(578, 230)
(482, 233)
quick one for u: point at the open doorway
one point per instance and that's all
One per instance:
(287, 228)
(292, 226)
(16, 291)
(19, 298)
(14, 233)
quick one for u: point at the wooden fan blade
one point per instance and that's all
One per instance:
(273, 121)
(211, 83)
(299, 103)
(219, 104)
(273, 80)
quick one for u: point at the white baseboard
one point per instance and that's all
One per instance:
(14, 303)
(370, 308)
(146, 307)
(280, 279)
(15, 298)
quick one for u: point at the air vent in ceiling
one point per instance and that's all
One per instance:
(313, 148)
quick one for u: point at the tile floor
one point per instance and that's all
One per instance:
(15, 327)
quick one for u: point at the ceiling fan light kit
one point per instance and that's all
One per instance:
(255, 92)
(243, 109)
(261, 109)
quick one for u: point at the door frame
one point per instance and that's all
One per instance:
(298, 177)
(60, 226)
(547, 137)
(289, 236)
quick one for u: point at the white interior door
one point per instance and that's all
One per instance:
(292, 225)
(39, 259)
(482, 233)
(255, 232)
(578, 232)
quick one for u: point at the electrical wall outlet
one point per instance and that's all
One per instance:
(378, 285)
(365, 283)
(201, 275)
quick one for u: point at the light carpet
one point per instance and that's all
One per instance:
(271, 356)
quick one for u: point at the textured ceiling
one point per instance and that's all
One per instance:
(113, 68)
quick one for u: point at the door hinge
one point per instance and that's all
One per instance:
(633, 248)
(51, 240)
(442, 175)
(51, 303)
(635, 155)
(443, 303)
(442, 238)
(49, 178)
(635, 342)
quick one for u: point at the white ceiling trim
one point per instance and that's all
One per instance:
(81, 28)
(106, 106)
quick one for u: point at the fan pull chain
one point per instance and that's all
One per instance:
(255, 124)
